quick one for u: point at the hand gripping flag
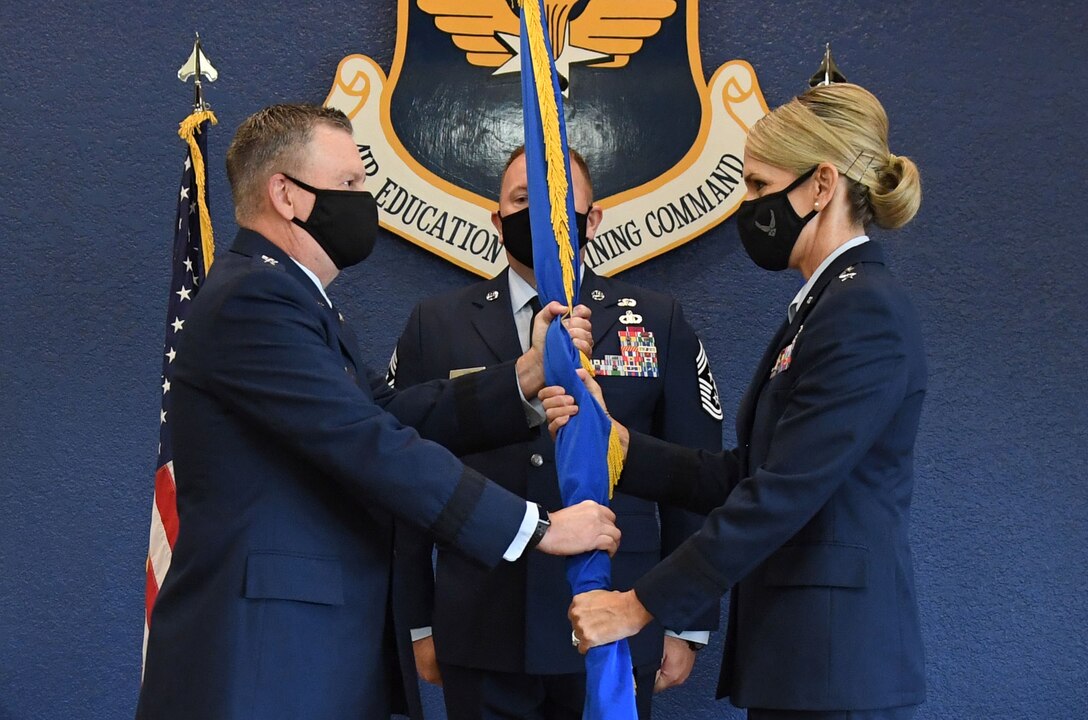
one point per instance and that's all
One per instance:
(587, 452)
(193, 251)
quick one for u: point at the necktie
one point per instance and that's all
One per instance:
(534, 308)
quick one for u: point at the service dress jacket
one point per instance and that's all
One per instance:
(809, 516)
(291, 460)
(513, 618)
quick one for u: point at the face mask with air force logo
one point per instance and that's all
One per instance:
(769, 226)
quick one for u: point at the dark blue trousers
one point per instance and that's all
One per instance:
(897, 713)
(473, 694)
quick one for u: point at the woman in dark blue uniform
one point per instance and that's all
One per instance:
(808, 518)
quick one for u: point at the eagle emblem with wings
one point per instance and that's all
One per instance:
(600, 33)
(663, 141)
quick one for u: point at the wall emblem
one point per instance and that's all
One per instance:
(664, 144)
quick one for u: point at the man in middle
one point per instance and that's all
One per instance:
(502, 637)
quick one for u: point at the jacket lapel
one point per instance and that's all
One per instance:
(866, 252)
(591, 282)
(493, 318)
(254, 245)
(747, 409)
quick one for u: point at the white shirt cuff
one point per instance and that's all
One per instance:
(696, 636)
(525, 532)
(420, 633)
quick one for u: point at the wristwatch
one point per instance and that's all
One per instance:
(542, 525)
(695, 646)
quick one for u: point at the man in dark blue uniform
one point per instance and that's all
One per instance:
(501, 635)
(291, 458)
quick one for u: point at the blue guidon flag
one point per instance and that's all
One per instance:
(587, 453)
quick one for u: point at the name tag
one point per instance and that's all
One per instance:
(465, 371)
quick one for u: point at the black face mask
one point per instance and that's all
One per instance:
(343, 222)
(517, 236)
(769, 227)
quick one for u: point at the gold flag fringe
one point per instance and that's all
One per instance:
(558, 190)
(187, 131)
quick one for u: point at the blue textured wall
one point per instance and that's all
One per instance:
(991, 103)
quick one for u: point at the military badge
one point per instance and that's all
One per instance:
(434, 133)
(637, 358)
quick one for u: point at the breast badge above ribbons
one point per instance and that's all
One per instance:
(782, 364)
(637, 358)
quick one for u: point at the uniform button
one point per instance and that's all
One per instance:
(536, 460)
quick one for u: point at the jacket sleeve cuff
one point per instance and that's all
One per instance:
(422, 633)
(702, 637)
(525, 532)
(681, 588)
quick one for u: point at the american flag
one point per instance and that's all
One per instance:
(192, 256)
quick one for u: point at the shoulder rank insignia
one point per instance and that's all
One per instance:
(708, 389)
(637, 358)
(782, 364)
(391, 371)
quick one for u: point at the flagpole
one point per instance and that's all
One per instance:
(193, 251)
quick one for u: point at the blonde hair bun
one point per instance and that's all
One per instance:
(897, 195)
(845, 125)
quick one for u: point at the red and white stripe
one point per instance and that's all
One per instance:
(164, 533)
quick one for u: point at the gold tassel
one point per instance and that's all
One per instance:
(615, 460)
(557, 193)
(553, 144)
(187, 131)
